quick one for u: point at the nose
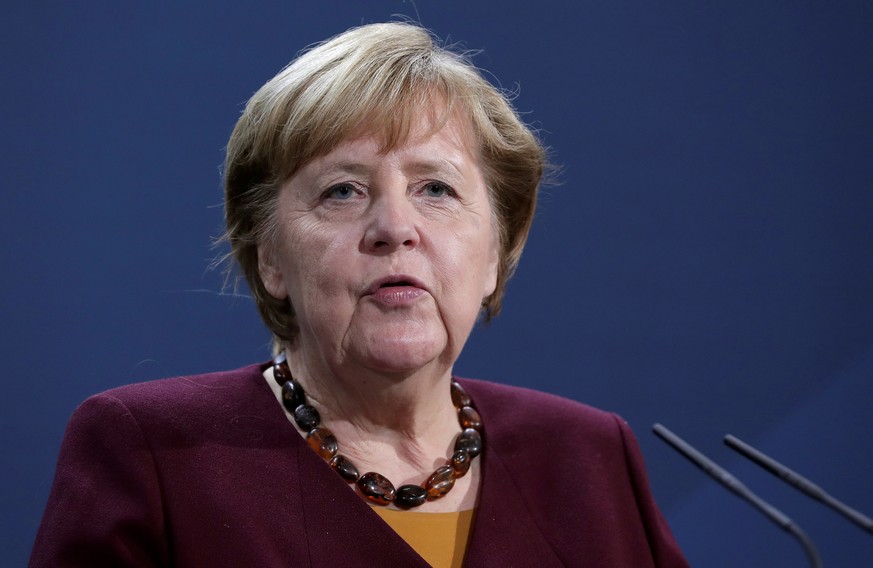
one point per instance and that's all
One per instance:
(391, 224)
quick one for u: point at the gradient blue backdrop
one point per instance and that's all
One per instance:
(705, 262)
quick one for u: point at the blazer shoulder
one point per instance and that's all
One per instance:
(523, 406)
(186, 392)
(537, 445)
(181, 407)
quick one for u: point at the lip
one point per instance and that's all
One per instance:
(398, 295)
(411, 282)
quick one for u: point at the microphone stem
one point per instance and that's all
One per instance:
(808, 546)
(736, 486)
(799, 482)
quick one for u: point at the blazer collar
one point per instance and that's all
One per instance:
(503, 530)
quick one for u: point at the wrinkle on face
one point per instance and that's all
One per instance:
(321, 263)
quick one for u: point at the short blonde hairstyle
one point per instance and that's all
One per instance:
(376, 77)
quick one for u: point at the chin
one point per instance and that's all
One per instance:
(401, 355)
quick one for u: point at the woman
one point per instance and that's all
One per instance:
(379, 193)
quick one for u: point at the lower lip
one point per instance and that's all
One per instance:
(397, 295)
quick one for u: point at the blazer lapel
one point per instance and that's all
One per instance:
(341, 528)
(503, 533)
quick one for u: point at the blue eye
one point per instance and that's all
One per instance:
(437, 189)
(341, 192)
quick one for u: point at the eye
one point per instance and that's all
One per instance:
(438, 189)
(341, 192)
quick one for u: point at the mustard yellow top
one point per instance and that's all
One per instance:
(439, 538)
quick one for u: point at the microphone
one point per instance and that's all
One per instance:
(736, 486)
(799, 482)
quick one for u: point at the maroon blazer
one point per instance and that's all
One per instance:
(207, 471)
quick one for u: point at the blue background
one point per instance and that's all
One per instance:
(705, 261)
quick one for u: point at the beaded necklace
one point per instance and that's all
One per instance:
(374, 486)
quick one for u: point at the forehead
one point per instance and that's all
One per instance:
(392, 121)
(416, 124)
(427, 144)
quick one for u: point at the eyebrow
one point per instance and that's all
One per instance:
(425, 167)
(418, 167)
(345, 167)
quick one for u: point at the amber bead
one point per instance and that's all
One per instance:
(461, 462)
(292, 395)
(306, 417)
(469, 418)
(440, 482)
(376, 488)
(345, 468)
(409, 496)
(323, 442)
(471, 441)
(281, 372)
(460, 398)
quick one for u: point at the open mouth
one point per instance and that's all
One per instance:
(397, 281)
(395, 284)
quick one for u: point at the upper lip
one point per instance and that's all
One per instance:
(394, 279)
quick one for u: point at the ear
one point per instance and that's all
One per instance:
(271, 275)
(491, 273)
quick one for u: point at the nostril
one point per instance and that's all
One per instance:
(384, 239)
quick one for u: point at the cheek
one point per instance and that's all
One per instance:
(486, 251)
(318, 262)
(474, 262)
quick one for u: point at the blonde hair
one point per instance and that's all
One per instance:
(378, 76)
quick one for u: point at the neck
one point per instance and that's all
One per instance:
(458, 470)
(405, 418)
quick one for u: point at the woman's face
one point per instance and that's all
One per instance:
(385, 256)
